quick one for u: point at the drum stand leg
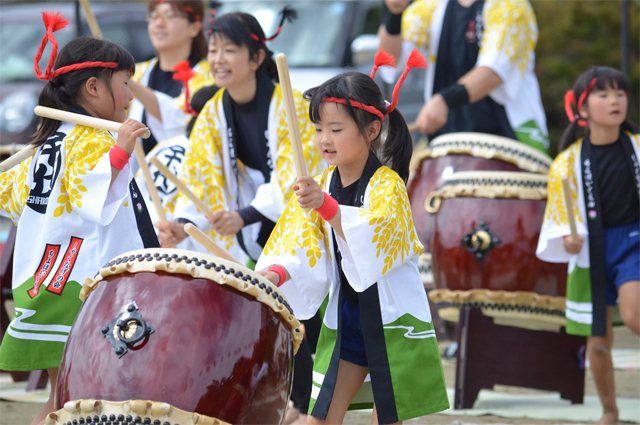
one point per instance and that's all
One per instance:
(490, 354)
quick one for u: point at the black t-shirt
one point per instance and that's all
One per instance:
(252, 151)
(616, 184)
(249, 148)
(460, 42)
(346, 196)
(163, 82)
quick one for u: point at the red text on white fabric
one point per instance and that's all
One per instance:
(46, 265)
(64, 270)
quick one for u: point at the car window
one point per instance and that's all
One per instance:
(315, 32)
(132, 36)
(19, 43)
(372, 21)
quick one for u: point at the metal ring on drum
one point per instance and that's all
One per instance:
(180, 337)
(484, 243)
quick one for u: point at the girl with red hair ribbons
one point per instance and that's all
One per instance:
(346, 245)
(604, 261)
(75, 201)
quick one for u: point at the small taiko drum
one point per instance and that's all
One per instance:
(487, 225)
(456, 152)
(177, 337)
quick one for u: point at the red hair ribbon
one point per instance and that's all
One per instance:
(288, 14)
(416, 60)
(213, 9)
(187, 9)
(356, 104)
(183, 72)
(570, 100)
(54, 22)
(382, 58)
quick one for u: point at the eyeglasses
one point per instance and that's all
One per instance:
(154, 16)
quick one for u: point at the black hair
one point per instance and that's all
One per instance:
(62, 91)
(398, 146)
(237, 27)
(199, 99)
(192, 10)
(605, 76)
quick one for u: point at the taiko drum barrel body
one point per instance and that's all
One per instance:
(486, 232)
(191, 331)
(457, 152)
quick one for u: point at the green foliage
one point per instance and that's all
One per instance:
(574, 35)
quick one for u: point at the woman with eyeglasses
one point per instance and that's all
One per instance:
(162, 101)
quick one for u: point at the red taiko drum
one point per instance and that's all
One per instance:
(456, 152)
(175, 336)
(487, 225)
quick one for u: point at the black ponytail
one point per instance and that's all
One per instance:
(65, 89)
(605, 76)
(398, 146)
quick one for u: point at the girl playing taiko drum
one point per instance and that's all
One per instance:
(75, 201)
(604, 260)
(347, 245)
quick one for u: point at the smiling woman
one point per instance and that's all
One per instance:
(175, 30)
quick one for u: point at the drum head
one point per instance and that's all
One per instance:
(490, 147)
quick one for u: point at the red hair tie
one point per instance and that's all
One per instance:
(570, 100)
(288, 14)
(382, 58)
(54, 22)
(183, 72)
(416, 60)
(356, 104)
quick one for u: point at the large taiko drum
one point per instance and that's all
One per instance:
(456, 152)
(178, 337)
(487, 225)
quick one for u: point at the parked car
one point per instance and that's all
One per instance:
(21, 30)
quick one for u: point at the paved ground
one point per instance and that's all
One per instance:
(627, 385)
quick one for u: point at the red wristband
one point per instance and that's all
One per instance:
(280, 271)
(118, 157)
(329, 208)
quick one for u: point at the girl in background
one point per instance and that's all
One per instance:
(604, 261)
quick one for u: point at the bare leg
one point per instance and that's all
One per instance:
(629, 303)
(49, 405)
(348, 382)
(374, 417)
(599, 350)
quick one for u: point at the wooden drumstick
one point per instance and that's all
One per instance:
(292, 118)
(208, 243)
(91, 20)
(413, 127)
(568, 203)
(57, 114)
(151, 187)
(181, 186)
(16, 159)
